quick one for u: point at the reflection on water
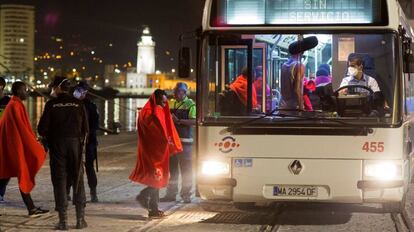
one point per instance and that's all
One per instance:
(111, 112)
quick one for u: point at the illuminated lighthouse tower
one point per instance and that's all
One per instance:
(145, 61)
(146, 54)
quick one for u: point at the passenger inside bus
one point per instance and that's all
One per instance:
(292, 74)
(258, 86)
(239, 86)
(323, 74)
(234, 98)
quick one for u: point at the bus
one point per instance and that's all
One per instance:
(352, 146)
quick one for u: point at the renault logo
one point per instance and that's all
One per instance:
(296, 167)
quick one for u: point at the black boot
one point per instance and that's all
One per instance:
(94, 197)
(80, 217)
(63, 220)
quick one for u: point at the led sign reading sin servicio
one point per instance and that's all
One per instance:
(319, 11)
(280, 12)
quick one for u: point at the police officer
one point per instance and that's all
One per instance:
(91, 153)
(64, 124)
(183, 111)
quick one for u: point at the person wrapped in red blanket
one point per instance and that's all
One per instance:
(239, 86)
(157, 140)
(21, 155)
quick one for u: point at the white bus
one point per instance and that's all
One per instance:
(349, 147)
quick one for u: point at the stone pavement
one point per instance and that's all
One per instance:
(117, 209)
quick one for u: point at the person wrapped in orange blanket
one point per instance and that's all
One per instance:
(157, 140)
(239, 86)
(21, 155)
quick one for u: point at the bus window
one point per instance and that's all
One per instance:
(326, 69)
(234, 79)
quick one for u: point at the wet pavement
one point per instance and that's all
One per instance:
(117, 209)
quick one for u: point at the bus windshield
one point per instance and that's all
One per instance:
(345, 76)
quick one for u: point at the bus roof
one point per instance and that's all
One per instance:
(313, 15)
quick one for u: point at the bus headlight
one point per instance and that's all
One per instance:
(383, 170)
(215, 168)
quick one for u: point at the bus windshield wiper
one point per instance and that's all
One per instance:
(294, 118)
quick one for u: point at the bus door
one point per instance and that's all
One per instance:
(236, 55)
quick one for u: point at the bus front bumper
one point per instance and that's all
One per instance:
(216, 188)
(378, 185)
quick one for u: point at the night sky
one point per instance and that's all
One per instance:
(96, 23)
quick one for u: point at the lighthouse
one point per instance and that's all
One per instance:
(146, 53)
(145, 61)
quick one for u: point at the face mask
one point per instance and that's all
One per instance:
(53, 93)
(352, 71)
(78, 94)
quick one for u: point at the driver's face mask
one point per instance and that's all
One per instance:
(352, 71)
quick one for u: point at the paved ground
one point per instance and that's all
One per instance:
(118, 211)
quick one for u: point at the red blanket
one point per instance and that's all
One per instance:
(239, 86)
(157, 140)
(21, 155)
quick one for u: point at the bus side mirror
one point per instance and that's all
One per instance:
(184, 62)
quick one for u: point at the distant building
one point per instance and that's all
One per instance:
(17, 31)
(145, 61)
(167, 81)
(114, 77)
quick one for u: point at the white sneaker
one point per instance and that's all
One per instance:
(2, 200)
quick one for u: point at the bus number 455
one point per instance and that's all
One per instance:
(373, 147)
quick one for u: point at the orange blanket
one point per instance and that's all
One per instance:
(239, 86)
(157, 140)
(21, 155)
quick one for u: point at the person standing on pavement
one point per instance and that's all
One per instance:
(91, 153)
(157, 141)
(183, 111)
(21, 155)
(4, 100)
(65, 125)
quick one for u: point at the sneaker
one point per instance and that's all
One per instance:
(2, 200)
(168, 199)
(143, 201)
(36, 212)
(156, 214)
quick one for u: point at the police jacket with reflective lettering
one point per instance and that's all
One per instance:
(63, 117)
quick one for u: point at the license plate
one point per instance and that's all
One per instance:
(295, 191)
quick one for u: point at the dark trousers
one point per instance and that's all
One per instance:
(90, 157)
(27, 199)
(66, 163)
(181, 163)
(153, 196)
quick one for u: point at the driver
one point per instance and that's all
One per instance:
(356, 76)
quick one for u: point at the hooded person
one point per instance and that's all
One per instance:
(21, 155)
(323, 75)
(157, 141)
(240, 87)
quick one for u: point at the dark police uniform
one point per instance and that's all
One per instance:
(91, 145)
(64, 123)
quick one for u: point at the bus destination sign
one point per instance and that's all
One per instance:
(286, 12)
